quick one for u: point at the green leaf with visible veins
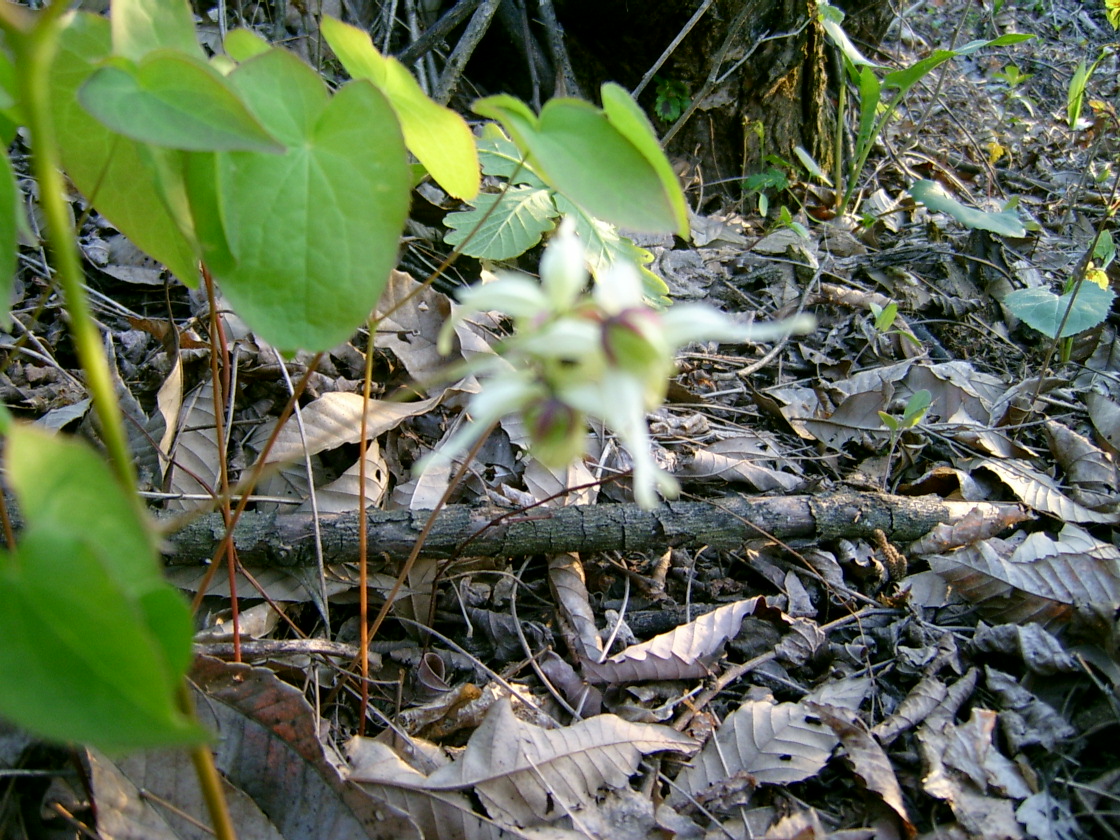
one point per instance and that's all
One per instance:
(112, 171)
(514, 226)
(170, 99)
(312, 234)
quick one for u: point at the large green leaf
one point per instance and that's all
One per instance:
(141, 26)
(112, 170)
(579, 152)
(171, 99)
(933, 196)
(85, 607)
(312, 233)
(512, 227)
(9, 215)
(1044, 310)
(79, 661)
(501, 158)
(62, 483)
(630, 121)
(440, 138)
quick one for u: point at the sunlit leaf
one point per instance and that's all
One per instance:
(576, 148)
(141, 26)
(440, 138)
(172, 100)
(1044, 310)
(111, 170)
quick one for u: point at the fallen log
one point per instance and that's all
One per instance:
(480, 531)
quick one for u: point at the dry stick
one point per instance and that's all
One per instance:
(669, 50)
(435, 33)
(561, 63)
(219, 377)
(480, 22)
(363, 545)
(246, 487)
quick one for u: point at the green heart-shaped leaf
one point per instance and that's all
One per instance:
(172, 100)
(312, 234)
(1043, 310)
(111, 170)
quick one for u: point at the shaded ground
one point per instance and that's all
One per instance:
(960, 686)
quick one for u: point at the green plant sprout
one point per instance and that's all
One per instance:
(672, 99)
(884, 318)
(912, 415)
(877, 106)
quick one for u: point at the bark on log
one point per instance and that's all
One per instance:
(463, 530)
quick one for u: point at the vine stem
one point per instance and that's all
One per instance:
(35, 43)
(36, 46)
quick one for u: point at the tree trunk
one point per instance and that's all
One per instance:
(758, 72)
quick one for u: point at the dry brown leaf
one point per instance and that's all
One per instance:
(978, 524)
(577, 619)
(684, 653)
(868, 759)
(1092, 475)
(1042, 493)
(524, 775)
(130, 792)
(766, 743)
(1105, 416)
(412, 329)
(195, 452)
(1041, 580)
(964, 769)
(336, 419)
(269, 746)
(341, 495)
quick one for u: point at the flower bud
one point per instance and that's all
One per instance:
(556, 431)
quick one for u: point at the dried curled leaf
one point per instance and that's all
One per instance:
(683, 653)
(1043, 579)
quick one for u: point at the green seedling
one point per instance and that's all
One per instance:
(884, 318)
(912, 415)
(880, 93)
(672, 99)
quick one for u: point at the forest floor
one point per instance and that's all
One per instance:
(843, 678)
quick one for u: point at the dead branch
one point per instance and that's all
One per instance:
(464, 530)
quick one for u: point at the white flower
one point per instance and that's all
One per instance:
(606, 356)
